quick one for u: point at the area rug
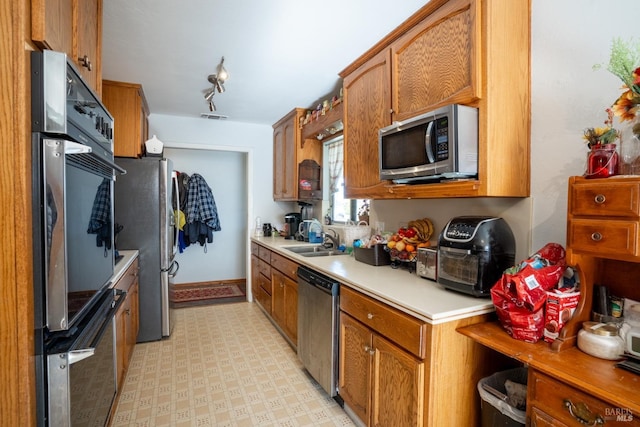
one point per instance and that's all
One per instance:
(188, 295)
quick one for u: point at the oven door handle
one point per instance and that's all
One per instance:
(79, 355)
(71, 147)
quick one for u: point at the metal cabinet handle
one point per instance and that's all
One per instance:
(369, 350)
(599, 199)
(582, 413)
(85, 62)
(596, 236)
(369, 316)
(128, 312)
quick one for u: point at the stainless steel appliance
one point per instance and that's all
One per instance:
(427, 263)
(80, 369)
(318, 327)
(145, 199)
(440, 144)
(73, 174)
(473, 251)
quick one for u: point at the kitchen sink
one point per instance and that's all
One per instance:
(314, 251)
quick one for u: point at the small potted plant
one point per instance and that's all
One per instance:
(602, 160)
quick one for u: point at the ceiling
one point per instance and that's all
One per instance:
(280, 54)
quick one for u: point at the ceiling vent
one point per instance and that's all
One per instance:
(213, 116)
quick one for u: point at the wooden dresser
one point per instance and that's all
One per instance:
(567, 387)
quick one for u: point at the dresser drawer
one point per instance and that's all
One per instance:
(550, 399)
(264, 268)
(595, 236)
(406, 331)
(284, 265)
(255, 249)
(608, 198)
(264, 254)
(265, 284)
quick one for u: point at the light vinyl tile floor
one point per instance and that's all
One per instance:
(224, 365)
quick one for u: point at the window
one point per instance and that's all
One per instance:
(341, 209)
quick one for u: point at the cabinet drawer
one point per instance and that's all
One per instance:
(262, 296)
(557, 400)
(129, 277)
(609, 199)
(284, 265)
(265, 283)
(255, 249)
(264, 268)
(406, 331)
(264, 253)
(615, 237)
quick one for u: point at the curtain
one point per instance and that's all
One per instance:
(335, 150)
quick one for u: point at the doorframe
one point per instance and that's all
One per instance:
(248, 151)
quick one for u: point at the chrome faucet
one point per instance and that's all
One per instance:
(334, 240)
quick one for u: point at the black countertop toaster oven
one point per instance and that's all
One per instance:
(473, 251)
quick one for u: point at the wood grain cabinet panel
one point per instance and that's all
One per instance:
(87, 45)
(128, 105)
(471, 52)
(276, 290)
(52, 24)
(288, 152)
(127, 321)
(382, 382)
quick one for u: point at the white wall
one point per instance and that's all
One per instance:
(568, 38)
(567, 96)
(236, 161)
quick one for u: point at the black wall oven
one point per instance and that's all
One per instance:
(73, 175)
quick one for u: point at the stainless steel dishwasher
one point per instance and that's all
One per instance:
(318, 327)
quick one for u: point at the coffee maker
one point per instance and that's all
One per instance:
(291, 224)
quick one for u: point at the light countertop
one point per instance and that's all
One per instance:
(422, 298)
(123, 264)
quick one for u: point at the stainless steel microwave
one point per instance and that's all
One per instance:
(440, 144)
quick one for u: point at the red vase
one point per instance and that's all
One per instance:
(602, 161)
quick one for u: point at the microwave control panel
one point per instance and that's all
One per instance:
(442, 138)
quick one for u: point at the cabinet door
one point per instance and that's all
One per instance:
(284, 158)
(437, 61)
(128, 106)
(255, 275)
(52, 24)
(367, 108)
(121, 342)
(133, 322)
(355, 366)
(398, 386)
(87, 47)
(277, 297)
(291, 309)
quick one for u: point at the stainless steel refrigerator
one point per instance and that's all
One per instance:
(144, 202)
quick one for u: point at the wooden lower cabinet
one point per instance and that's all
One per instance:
(127, 321)
(382, 384)
(398, 370)
(275, 288)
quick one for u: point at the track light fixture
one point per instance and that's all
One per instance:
(217, 84)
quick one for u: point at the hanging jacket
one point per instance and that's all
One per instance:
(201, 212)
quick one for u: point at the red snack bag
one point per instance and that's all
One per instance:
(520, 294)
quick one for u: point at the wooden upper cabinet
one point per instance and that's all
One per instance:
(128, 106)
(75, 28)
(288, 152)
(436, 61)
(367, 108)
(470, 52)
(52, 25)
(87, 44)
